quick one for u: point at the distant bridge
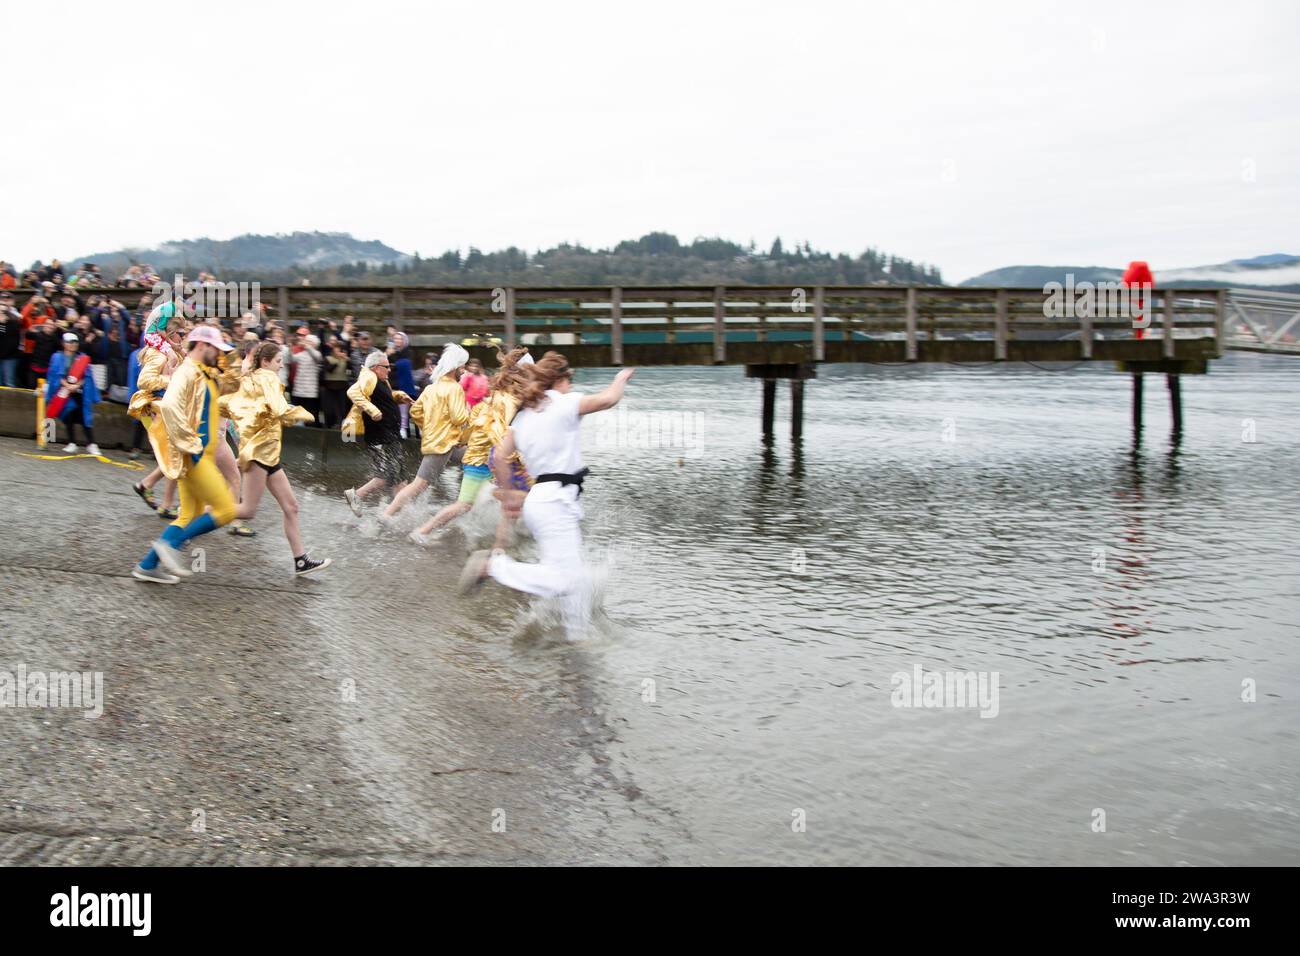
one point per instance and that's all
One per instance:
(1261, 321)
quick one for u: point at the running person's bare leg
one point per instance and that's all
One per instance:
(405, 493)
(282, 492)
(374, 484)
(446, 516)
(254, 485)
(505, 531)
(227, 464)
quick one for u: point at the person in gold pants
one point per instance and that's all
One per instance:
(189, 414)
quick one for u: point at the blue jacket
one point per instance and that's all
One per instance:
(405, 378)
(133, 371)
(103, 316)
(86, 399)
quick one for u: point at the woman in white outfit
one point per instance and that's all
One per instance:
(546, 433)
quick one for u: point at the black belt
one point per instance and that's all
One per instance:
(564, 479)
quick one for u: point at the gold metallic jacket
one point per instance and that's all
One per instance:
(359, 392)
(442, 414)
(232, 368)
(153, 377)
(180, 412)
(491, 421)
(260, 412)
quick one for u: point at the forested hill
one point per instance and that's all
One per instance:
(658, 258)
(654, 259)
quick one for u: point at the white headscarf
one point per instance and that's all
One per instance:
(453, 357)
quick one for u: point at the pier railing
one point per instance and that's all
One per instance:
(685, 325)
(1263, 321)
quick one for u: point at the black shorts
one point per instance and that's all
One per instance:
(269, 469)
(388, 461)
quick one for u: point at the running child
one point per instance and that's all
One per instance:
(260, 412)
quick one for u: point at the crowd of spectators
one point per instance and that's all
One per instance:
(322, 356)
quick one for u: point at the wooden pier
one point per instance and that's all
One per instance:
(777, 332)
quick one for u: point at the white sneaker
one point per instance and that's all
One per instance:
(155, 576)
(353, 501)
(474, 573)
(172, 559)
(71, 449)
(93, 449)
(418, 538)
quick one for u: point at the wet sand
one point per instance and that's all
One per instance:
(228, 694)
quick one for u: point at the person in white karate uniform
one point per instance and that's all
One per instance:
(546, 433)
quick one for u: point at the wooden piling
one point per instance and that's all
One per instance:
(616, 326)
(1000, 326)
(511, 339)
(1175, 384)
(1137, 405)
(719, 325)
(769, 405)
(819, 324)
(796, 408)
(909, 318)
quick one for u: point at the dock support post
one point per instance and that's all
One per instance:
(719, 325)
(909, 317)
(819, 324)
(768, 374)
(616, 326)
(1175, 384)
(1167, 329)
(1137, 405)
(769, 405)
(796, 408)
(1000, 328)
(510, 336)
(1220, 313)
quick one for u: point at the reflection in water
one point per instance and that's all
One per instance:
(1130, 614)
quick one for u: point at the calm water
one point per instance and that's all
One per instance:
(756, 602)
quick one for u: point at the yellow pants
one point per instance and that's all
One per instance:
(204, 486)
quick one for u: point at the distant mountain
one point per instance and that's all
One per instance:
(251, 253)
(1277, 271)
(1033, 277)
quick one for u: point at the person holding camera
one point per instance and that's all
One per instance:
(11, 341)
(334, 385)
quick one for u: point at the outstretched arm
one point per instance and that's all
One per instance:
(609, 397)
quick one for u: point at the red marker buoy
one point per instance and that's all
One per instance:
(1139, 274)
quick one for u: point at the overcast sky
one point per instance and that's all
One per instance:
(971, 136)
